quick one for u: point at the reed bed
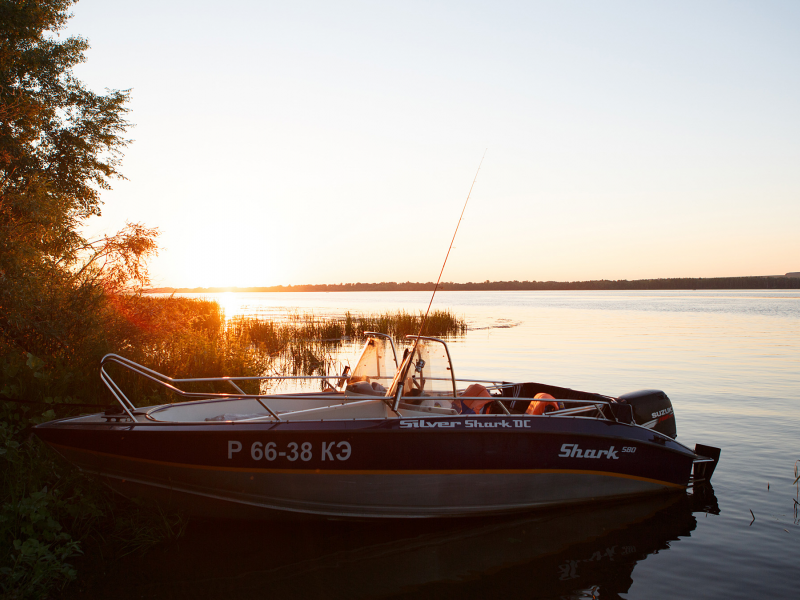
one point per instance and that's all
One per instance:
(306, 344)
(274, 335)
(440, 323)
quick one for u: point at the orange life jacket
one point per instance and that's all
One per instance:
(474, 407)
(540, 404)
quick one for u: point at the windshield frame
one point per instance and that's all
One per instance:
(397, 387)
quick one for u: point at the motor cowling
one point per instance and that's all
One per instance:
(652, 409)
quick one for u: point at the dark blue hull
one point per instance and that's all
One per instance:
(401, 467)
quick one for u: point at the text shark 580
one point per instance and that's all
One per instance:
(575, 451)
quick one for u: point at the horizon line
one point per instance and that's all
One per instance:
(734, 282)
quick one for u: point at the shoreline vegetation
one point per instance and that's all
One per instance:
(790, 281)
(56, 521)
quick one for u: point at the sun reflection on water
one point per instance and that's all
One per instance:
(231, 304)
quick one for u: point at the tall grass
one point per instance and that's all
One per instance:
(440, 323)
(305, 344)
(275, 335)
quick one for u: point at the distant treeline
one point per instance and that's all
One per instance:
(683, 283)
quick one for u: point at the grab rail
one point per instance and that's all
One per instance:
(171, 384)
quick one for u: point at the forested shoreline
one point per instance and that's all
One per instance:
(778, 282)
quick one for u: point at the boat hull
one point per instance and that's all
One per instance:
(405, 467)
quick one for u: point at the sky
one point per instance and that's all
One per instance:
(279, 143)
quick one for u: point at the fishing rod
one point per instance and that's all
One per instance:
(436, 287)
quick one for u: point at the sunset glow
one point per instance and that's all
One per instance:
(290, 143)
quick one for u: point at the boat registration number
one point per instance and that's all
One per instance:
(303, 451)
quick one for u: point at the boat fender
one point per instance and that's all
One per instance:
(540, 404)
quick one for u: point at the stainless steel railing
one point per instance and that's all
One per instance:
(586, 408)
(172, 384)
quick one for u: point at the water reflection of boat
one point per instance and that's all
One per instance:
(387, 440)
(546, 554)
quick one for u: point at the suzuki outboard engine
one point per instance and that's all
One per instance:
(652, 409)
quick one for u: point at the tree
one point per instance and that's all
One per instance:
(60, 146)
(62, 297)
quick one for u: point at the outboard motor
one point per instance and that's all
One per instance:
(652, 409)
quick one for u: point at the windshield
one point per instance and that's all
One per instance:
(377, 363)
(427, 371)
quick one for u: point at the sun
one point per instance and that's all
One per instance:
(231, 304)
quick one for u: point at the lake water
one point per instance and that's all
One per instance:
(730, 362)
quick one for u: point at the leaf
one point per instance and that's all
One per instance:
(34, 363)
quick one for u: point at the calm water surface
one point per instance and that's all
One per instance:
(730, 362)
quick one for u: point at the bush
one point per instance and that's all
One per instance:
(35, 547)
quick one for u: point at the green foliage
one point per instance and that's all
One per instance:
(32, 566)
(59, 142)
(60, 146)
(50, 513)
(34, 546)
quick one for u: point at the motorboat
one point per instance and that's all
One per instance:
(391, 438)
